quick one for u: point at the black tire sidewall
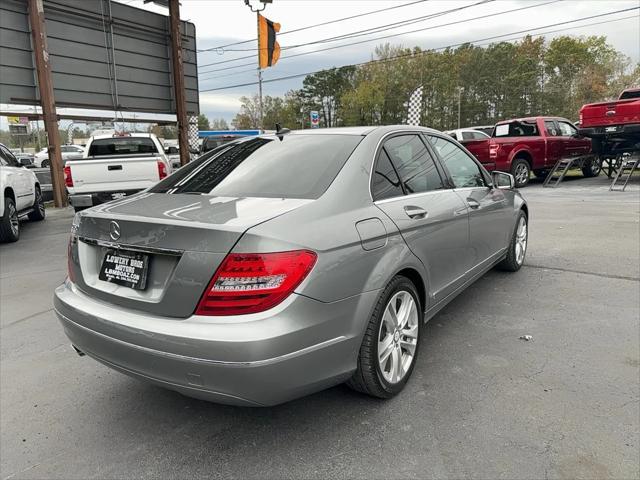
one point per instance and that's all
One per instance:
(514, 165)
(400, 283)
(7, 233)
(36, 215)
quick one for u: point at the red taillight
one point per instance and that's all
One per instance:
(254, 282)
(68, 179)
(162, 170)
(493, 150)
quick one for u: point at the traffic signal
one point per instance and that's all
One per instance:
(268, 47)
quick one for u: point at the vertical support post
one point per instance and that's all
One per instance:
(178, 80)
(260, 109)
(459, 101)
(45, 87)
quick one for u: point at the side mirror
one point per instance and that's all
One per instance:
(503, 180)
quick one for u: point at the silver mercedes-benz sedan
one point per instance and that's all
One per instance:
(279, 265)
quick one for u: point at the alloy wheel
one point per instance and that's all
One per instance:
(398, 337)
(521, 240)
(521, 174)
(13, 220)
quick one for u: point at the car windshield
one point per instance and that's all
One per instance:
(290, 166)
(516, 129)
(121, 146)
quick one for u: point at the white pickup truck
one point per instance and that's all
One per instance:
(114, 166)
(20, 196)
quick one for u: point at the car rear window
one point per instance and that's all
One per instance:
(290, 166)
(630, 94)
(516, 129)
(121, 146)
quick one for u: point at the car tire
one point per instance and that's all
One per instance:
(9, 223)
(521, 171)
(376, 376)
(518, 246)
(44, 164)
(38, 213)
(592, 169)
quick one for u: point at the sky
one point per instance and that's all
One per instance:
(220, 22)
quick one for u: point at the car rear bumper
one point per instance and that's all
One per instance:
(297, 348)
(610, 130)
(91, 199)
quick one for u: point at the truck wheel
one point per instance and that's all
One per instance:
(521, 171)
(592, 168)
(9, 223)
(38, 208)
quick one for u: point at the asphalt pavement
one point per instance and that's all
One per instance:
(481, 403)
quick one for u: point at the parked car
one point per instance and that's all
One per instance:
(25, 159)
(484, 129)
(68, 152)
(523, 145)
(21, 196)
(115, 166)
(212, 142)
(467, 134)
(288, 263)
(613, 126)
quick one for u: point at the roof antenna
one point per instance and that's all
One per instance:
(281, 131)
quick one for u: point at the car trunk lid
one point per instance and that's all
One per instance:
(184, 238)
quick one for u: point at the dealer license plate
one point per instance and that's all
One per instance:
(611, 129)
(125, 268)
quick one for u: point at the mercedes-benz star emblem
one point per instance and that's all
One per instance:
(114, 231)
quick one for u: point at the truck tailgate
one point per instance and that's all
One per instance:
(618, 112)
(111, 174)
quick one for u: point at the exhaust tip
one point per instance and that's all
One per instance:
(78, 351)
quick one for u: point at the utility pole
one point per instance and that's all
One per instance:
(260, 107)
(459, 101)
(45, 88)
(178, 81)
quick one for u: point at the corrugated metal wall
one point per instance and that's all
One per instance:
(83, 56)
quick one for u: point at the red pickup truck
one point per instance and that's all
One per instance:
(613, 126)
(523, 145)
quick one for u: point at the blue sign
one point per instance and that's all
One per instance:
(315, 119)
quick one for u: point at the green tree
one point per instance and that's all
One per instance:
(203, 122)
(219, 124)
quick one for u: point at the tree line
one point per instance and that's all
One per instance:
(481, 85)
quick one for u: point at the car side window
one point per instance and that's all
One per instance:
(468, 136)
(385, 182)
(566, 129)
(8, 159)
(479, 136)
(464, 171)
(550, 126)
(413, 163)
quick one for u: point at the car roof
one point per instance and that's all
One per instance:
(361, 131)
(531, 119)
(115, 135)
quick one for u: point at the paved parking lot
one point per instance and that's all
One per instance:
(481, 403)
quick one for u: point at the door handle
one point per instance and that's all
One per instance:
(415, 212)
(114, 167)
(473, 204)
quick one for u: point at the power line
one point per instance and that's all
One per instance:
(316, 25)
(288, 77)
(378, 29)
(391, 35)
(370, 31)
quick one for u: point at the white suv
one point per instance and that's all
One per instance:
(20, 195)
